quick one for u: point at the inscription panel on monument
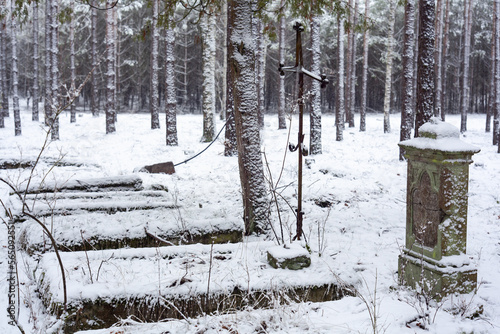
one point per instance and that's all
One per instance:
(426, 215)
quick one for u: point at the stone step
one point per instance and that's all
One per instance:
(110, 183)
(138, 228)
(48, 204)
(153, 284)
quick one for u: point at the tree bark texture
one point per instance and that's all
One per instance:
(315, 114)
(72, 89)
(94, 104)
(36, 89)
(496, 106)
(170, 89)
(48, 63)
(4, 100)
(425, 64)
(446, 30)
(282, 51)
(54, 69)
(362, 114)
(15, 75)
(230, 142)
(438, 57)
(388, 68)
(153, 92)
(208, 59)
(110, 69)
(465, 84)
(339, 112)
(242, 60)
(408, 70)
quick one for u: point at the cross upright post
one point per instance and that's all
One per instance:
(300, 71)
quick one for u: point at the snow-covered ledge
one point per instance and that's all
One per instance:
(436, 211)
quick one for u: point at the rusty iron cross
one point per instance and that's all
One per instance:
(302, 149)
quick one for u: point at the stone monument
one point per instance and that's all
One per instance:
(434, 257)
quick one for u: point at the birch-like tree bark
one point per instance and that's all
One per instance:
(315, 114)
(388, 68)
(110, 68)
(54, 69)
(408, 70)
(339, 110)
(425, 65)
(465, 84)
(153, 87)
(242, 60)
(36, 58)
(94, 104)
(362, 113)
(170, 88)
(15, 74)
(281, 54)
(438, 56)
(351, 76)
(72, 89)
(207, 25)
(223, 88)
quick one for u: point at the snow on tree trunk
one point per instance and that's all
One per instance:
(207, 25)
(425, 64)
(170, 89)
(315, 114)
(408, 68)
(230, 142)
(153, 88)
(15, 95)
(94, 100)
(110, 69)
(388, 68)
(36, 92)
(438, 56)
(260, 70)
(339, 112)
(72, 88)
(117, 63)
(491, 89)
(351, 66)
(496, 107)
(48, 63)
(54, 69)
(465, 84)
(223, 99)
(242, 59)
(362, 115)
(281, 50)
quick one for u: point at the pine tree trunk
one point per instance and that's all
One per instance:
(72, 89)
(425, 65)
(230, 142)
(259, 67)
(362, 115)
(48, 63)
(465, 84)
(36, 93)
(242, 60)
(94, 104)
(153, 90)
(491, 90)
(170, 89)
(444, 76)
(349, 57)
(110, 69)
(4, 87)
(208, 60)
(408, 68)
(438, 56)
(352, 65)
(339, 112)
(54, 107)
(281, 50)
(388, 68)
(315, 114)
(224, 63)
(15, 76)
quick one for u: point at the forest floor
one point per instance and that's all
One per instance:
(354, 205)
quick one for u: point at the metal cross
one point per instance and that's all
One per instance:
(300, 70)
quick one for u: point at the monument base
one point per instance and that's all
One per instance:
(451, 274)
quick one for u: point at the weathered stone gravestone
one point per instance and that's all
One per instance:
(434, 257)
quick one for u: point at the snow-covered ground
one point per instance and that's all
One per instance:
(354, 204)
